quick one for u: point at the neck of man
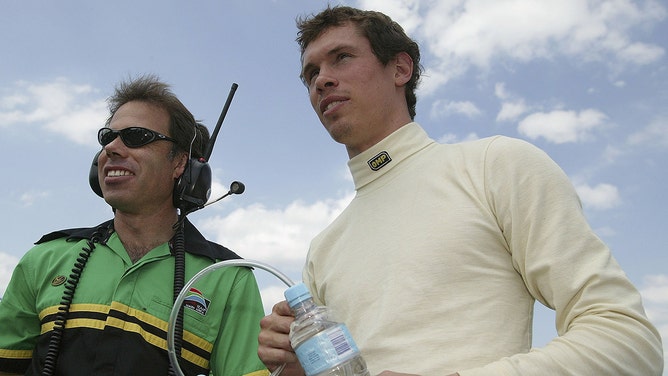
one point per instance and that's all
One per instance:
(385, 129)
(141, 232)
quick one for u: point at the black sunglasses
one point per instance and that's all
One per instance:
(132, 137)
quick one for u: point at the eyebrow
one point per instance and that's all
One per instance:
(329, 53)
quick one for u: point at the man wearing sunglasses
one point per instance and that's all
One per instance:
(96, 301)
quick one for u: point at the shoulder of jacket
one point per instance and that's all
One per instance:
(73, 233)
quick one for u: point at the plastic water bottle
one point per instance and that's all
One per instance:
(323, 346)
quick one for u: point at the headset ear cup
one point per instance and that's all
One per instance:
(93, 178)
(193, 188)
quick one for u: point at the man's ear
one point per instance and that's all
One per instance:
(403, 64)
(180, 167)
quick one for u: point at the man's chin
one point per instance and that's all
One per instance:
(115, 201)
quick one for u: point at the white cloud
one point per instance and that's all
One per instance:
(276, 237)
(11, 101)
(512, 110)
(641, 53)
(655, 289)
(7, 265)
(451, 138)
(406, 12)
(612, 153)
(461, 33)
(441, 108)
(562, 126)
(601, 197)
(59, 106)
(279, 237)
(29, 198)
(656, 133)
(272, 295)
(512, 107)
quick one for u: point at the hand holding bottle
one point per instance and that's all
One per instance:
(274, 342)
(323, 345)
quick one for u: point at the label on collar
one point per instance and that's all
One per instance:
(379, 161)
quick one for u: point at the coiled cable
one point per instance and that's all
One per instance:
(51, 359)
(179, 279)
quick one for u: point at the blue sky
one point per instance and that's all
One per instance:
(587, 81)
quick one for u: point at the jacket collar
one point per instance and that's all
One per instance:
(195, 242)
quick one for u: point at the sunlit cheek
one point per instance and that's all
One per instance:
(313, 97)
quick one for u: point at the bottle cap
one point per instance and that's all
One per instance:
(297, 294)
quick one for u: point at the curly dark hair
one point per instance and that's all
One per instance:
(387, 38)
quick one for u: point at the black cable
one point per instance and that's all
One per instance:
(179, 281)
(51, 358)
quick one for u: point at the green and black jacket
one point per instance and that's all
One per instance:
(118, 320)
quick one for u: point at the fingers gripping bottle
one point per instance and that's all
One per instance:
(324, 347)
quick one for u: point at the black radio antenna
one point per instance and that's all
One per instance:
(214, 135)
(193, 196)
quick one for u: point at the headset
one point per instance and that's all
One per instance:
(193, 188)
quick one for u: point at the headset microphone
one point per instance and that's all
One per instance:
(237, 188)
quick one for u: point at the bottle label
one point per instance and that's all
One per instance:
(326, 349)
